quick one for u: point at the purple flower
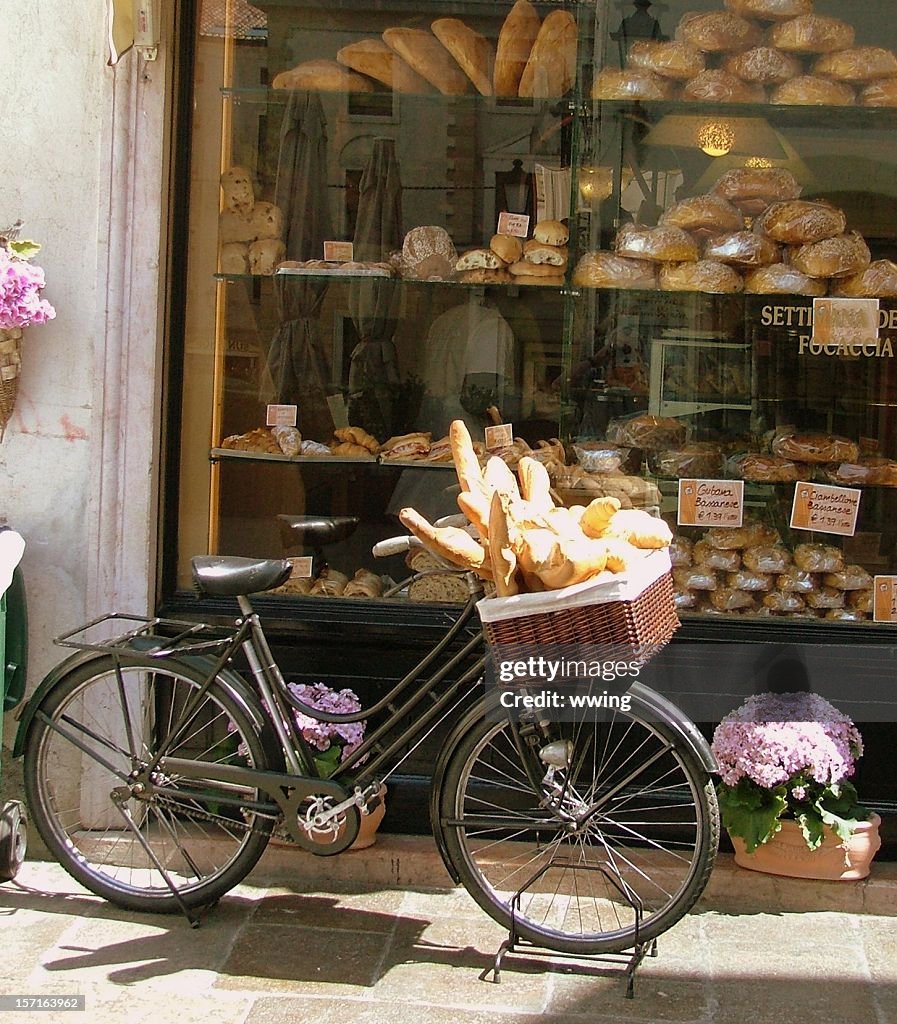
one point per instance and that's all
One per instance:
(321, 735)
(20, 286)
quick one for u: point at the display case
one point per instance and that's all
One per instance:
(609, 225)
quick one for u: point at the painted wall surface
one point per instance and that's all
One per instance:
(81, 162)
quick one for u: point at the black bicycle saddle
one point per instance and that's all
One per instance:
(315, 531)
(231, 575)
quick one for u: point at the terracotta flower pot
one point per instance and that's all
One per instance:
(787, 853)
(367, 827)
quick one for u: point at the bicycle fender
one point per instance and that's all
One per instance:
(237, 689)
(668, 714)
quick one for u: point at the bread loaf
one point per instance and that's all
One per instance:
(429, 58)
(322, 76)
(238, 190)
(551, 232)
(718, 32)
(858, 64)
(671, 59)
(781, 279)
(718, 86)
(265, 255)
(815, 448)
(869, 471)
(769, 10)
(508, 248)
(372, 57)
(551, 68)
(763, 65)
(428, 253)
(233, 258)
(515, 41)
(702, 276)
(472, 51)
(880, 94)
(877, 281)
(662, 244)
(811, 33)
(840, 256)
(811, 90)
(742, 249)
(524, 268)
(752, 189)
(631, 84)
(765, 469)
(482, 276)
(540, 252)
(601, 269)
(479, 259)
(708, 213)
(647, 431)
(801, 221)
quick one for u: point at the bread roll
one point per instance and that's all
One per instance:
(238, 190)
(811, 33)
(815, 448)
(601, 269)
(234, 258)
(781, 279)
(695, 577)
(472, 51)
(551, 68)
(515, 41)
(877, 281)
(703, 276)
(718, 32)
(850, 577)
(551, 232)
(747, 579)
(742, 249)
(265, 255)
(709, 213)
(372, 57)
(234, 227)
(801, 221)
(482, 276)
(662, 244)
(825, 597)
(479, 259)
(861, 601)
(763, 65)
(752, 189)
(769, 10)
(840, 256)
(811, 90)
(880, 94)
(672, 59)
(539, 252)
(631, 84)
(858, 64)
(718, 86)
(322, 76)
(508, 248)
(766, 558)
(429, 58)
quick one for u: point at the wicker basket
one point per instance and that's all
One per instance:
(635, 614)
(10, 368)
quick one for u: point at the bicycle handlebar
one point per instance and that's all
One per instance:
(395, 546)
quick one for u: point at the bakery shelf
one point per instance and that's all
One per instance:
(319, 460)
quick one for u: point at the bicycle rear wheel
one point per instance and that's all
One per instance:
(76, 791)
(510, 828)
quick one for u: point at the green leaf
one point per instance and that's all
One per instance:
(24, 249)
(327, 761)
(750, 812)
(811, 826)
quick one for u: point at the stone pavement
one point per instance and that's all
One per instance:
(380, 937)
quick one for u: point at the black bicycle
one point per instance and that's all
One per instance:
(156, 773)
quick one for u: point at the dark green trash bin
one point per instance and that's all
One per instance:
(13, 661)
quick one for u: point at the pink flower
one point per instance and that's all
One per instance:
(20, 286)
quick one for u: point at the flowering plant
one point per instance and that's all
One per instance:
(333, 741)
(21, 282)
(787, 755)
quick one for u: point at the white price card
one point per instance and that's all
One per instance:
(711, 502)
(302, 567)
(282, 415)
(338, 252)
(825, 509)
(516, 224)
(499, 436)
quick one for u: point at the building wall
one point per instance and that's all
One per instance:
(82, 158)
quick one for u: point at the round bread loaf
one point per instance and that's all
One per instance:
(858, 64)
(551, 232)
(877, 281)
(752, 189)
(768, 469)
(600, 269)
(815, 448)
(708, 213)
(782, 279)
(535, 251)
(764, 65)
(742, 249)
(718, 32)
(840, 256)
(671, 59)
(880, 94)
(479, 259)
(631, 84)
(811, 90)
(428, 253)
(770, 10)
(718, 86)
(702, 276)
(508, 248)
(812, 33)
(322, 76)
(800, 221)
(662, 244)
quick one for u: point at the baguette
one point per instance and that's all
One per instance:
(504, 561)
(449, 542)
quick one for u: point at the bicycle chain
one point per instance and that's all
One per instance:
(198, 815)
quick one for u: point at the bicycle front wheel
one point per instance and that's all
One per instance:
(613, 847)
(93, 734)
